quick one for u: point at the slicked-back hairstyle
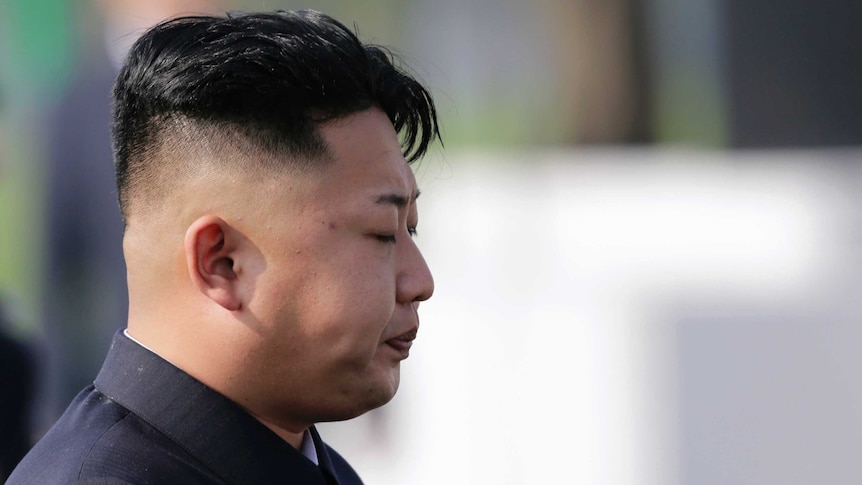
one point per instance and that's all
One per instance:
(263, 81)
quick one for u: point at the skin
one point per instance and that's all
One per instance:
(293, 294)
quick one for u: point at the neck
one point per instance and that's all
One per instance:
(189, 359)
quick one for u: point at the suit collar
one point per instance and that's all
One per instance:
(212, 428)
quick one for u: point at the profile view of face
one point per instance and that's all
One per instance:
(337, 301)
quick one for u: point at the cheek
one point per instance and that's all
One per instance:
(359, 275)
(357, 320)
(352, 323)
(341, 288)
(337, 304)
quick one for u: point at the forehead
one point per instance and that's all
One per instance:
(366, 166)
(367, 156)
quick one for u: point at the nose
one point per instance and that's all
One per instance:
(414, 282)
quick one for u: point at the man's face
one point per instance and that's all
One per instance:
(335, 305)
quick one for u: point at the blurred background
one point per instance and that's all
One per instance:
(644, 231)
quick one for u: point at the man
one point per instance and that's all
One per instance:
(273, 282)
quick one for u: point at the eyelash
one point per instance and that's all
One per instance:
(391, 239)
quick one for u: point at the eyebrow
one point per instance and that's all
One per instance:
(397, 200)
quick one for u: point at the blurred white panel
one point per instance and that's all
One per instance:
(548, 353)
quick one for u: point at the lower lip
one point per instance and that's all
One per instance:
(400, 346)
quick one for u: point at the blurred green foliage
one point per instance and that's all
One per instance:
(36, 54)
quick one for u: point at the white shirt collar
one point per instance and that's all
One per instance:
(308, 449)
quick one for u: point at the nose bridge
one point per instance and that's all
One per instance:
(414, 281)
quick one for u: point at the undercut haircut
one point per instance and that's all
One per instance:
(260, 82)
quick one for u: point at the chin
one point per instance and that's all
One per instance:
(384, 391)
(357, 407)
(378, 393)
(366, 391)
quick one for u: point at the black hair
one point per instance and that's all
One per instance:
(270, 77)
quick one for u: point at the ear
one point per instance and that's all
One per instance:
(211, 248)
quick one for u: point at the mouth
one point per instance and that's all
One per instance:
(402, 343)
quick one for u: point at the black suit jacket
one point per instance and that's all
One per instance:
(145, 421)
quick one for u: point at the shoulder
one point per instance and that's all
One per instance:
(134, 451)
(99, 442)
(68, 442)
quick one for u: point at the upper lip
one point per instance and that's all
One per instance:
(407, 336)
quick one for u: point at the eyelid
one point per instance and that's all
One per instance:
(386, 238)
(390, 238)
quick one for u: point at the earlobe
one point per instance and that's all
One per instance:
(210, 249)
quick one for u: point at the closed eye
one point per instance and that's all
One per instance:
(385, 238)
(390, 238)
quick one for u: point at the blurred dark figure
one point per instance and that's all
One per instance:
(795, 70)
(85, 284)
(17, 385)
(85, 281)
